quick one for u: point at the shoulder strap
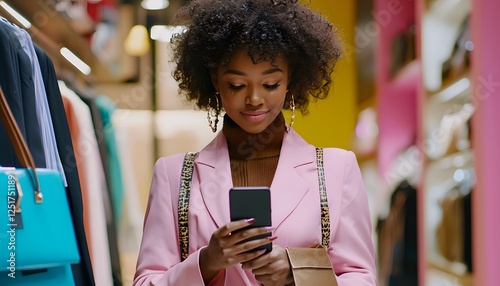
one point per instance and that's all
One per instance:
(185, 186)
(325, 211)
(183, 206)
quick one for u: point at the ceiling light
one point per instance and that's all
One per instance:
(16, 15)
(164, 33)
(154, 4)
(76, 61)
(137, 41)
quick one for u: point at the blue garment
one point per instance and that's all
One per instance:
(106, 108)
(52, 159)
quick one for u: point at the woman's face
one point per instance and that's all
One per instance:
(252, 94)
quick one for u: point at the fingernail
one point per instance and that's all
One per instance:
(262, 251)
(272, 238)
(250, 220)
(270, 228)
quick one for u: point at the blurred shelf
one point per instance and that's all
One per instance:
(455, 276)
(454, 160)
(452, 88)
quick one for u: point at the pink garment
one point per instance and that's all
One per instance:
(295, 214)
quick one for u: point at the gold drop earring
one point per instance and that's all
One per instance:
(213, 112)
(292, 117)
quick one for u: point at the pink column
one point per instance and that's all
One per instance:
(486, 141)
(397, 96)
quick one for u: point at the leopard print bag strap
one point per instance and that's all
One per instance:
(325, 211)
(183, 206)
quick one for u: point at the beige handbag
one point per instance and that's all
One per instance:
(310, 266)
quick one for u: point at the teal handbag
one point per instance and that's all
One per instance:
(37, 238)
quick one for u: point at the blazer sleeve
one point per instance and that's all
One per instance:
(352, 249)
(159, 256)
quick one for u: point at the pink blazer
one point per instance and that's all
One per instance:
(295, 214)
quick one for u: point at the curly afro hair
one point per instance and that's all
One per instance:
(217, 29)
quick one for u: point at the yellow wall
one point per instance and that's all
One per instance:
(331, 122)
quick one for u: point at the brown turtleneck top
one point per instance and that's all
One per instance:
(254, 157)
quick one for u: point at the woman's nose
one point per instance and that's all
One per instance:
(254, 98)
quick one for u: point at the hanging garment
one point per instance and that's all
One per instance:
(82, 272)
(111, 218)
(52, 158)
(450, 231)
(454, 230)
(93, 183)
(41, 214)
(16, 80)
(397, 236)
(106, 108)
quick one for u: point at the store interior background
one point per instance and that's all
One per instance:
(415, 97)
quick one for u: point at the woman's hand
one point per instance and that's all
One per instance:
(226, 249)
(272, 268)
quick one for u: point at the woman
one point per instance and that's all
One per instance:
(252, 58)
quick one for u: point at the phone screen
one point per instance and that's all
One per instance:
(252, 202)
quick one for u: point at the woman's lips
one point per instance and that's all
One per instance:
(254, 116)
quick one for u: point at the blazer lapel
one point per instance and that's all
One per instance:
(293, 176)
(214, 177)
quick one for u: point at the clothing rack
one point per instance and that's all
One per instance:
(30, 82)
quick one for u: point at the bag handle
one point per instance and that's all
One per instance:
(20, 146)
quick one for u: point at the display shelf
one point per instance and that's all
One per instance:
(451, 87)
(443, 28)
(453, 160)
(447, 112)
(446, 179)
(446, 126)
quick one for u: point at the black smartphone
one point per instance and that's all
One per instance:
(252, 202)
